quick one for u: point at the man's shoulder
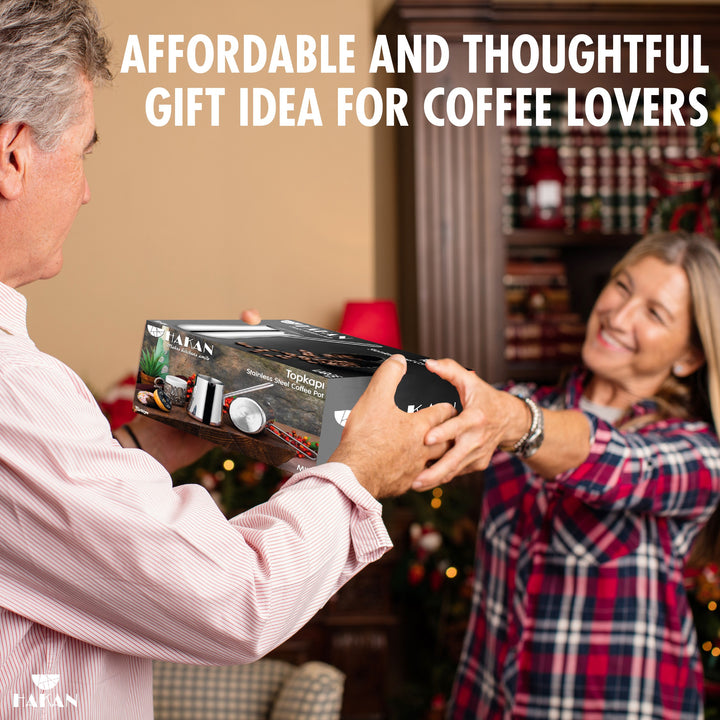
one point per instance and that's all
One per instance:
(23, 365)
(17, 352)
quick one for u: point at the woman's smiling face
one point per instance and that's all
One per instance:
(639, 333)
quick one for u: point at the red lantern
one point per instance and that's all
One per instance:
(543, 191)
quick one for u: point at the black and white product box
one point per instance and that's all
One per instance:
(279, 392)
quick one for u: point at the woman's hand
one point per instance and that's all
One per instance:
(489, 418)
(384, 446)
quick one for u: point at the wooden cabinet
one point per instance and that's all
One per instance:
(454, 239)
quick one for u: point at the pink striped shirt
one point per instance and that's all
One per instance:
(105, 567)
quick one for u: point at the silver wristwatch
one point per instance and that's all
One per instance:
(531, 441)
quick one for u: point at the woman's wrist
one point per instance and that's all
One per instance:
(529, 443)
(519, 422)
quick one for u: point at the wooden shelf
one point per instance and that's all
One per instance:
(560, 238)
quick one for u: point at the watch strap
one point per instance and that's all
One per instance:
(530, 442)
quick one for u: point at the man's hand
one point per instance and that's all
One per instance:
(383, 445)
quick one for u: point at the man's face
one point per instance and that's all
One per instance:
(55, 188)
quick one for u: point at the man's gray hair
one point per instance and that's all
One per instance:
(46, 47)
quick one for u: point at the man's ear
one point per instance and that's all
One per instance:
(15, 151)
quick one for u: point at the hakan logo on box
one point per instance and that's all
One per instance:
(180, 341)
(341, 416)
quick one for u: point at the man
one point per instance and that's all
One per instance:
(103, 565)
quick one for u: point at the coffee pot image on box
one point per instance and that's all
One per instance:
(206, 401)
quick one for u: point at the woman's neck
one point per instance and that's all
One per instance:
(609, 394)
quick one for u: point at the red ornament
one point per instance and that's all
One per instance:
(436, 580)
(416, 573)
(117, 403)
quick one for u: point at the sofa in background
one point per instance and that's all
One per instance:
(268, 689)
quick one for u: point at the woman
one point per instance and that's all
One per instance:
(594, 494)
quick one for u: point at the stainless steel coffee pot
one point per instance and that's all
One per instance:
(206, 402)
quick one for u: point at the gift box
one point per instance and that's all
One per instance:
(279, 392)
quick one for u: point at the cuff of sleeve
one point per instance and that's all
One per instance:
(370, 538)
(600, 436)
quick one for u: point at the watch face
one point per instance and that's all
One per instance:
(532, 445)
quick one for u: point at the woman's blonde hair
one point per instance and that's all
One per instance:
(699, 394)
(699, 256)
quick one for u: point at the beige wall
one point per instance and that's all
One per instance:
(202, 222)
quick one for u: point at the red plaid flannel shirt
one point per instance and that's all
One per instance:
(579, 609)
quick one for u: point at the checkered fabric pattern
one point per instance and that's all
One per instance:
(313, 692)
(264, 690)
(613, 163)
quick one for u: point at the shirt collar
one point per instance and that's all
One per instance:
(13, 311)
(577, 381)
